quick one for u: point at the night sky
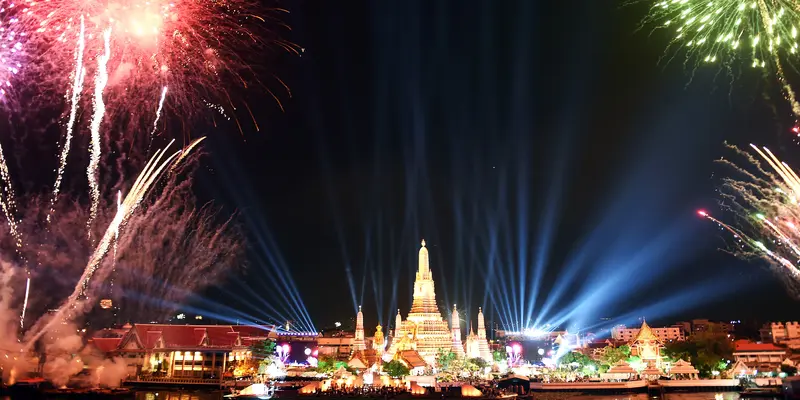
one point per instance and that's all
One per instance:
(549, 156)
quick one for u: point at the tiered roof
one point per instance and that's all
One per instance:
(646, 334)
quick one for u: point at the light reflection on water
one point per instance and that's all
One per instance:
(168, 395)
(196, 395)
(668, 396)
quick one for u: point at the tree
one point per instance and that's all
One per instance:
(263, 351)
(575, 359)
(788, 369)
(475, 364)
(708, 351)
(612, 355)
(498, 356)
(326, 365)
(396, 369)
(445, 359)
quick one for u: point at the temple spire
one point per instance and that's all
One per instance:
(455, 328)
(481, 325)
(424, 263)
(398, 321)
(358, 342)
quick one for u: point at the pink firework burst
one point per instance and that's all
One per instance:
(196, 48)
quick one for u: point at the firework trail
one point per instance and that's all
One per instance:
(77, 88)
(97, 119)
(158, 115)
(763, 31)
(151, 173)
(765, 206)
(201, 49)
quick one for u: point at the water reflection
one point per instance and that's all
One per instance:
(669, 396)
(167, 395)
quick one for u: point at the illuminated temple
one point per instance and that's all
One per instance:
(424, 331)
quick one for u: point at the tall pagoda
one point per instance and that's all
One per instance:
(424, 330)
(478, 345)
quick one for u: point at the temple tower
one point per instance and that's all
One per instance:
(483, 344)
(424, 305)
(358, 342)
(455, 327)
(398, 321)
(424, 330)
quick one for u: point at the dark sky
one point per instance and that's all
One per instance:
(550, 159)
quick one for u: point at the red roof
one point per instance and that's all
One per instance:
(106, 345)
(175, 336)
(746, 345)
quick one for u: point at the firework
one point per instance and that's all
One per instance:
(151, 173)
(764, 204)
(198, 48)
(12, 42)
(762, 33)
(134, 50)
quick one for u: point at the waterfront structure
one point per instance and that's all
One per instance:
(647, 346)
(358, 343)
(477, 345)
(759, 356)
(424, 330)
(189, 351)
(664, 334)
(200, 352)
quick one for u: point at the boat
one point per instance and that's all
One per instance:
(759, 392)
(259, 391)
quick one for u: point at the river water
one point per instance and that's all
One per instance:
(202, 395)
(163, 395)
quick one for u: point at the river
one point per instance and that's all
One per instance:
(202, 395)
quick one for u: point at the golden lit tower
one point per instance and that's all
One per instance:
(483, 344)
(424, 330)
(358, 342)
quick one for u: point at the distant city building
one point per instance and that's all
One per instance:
(705, 325)
(758, 356)
(338, 345)
(783, 333)
(665, 334)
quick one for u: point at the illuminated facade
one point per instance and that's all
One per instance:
(477, 345)
(665, 334)
(186, 351)
(359, 343)
(647, 347)
(424, 330)
(455, 324)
